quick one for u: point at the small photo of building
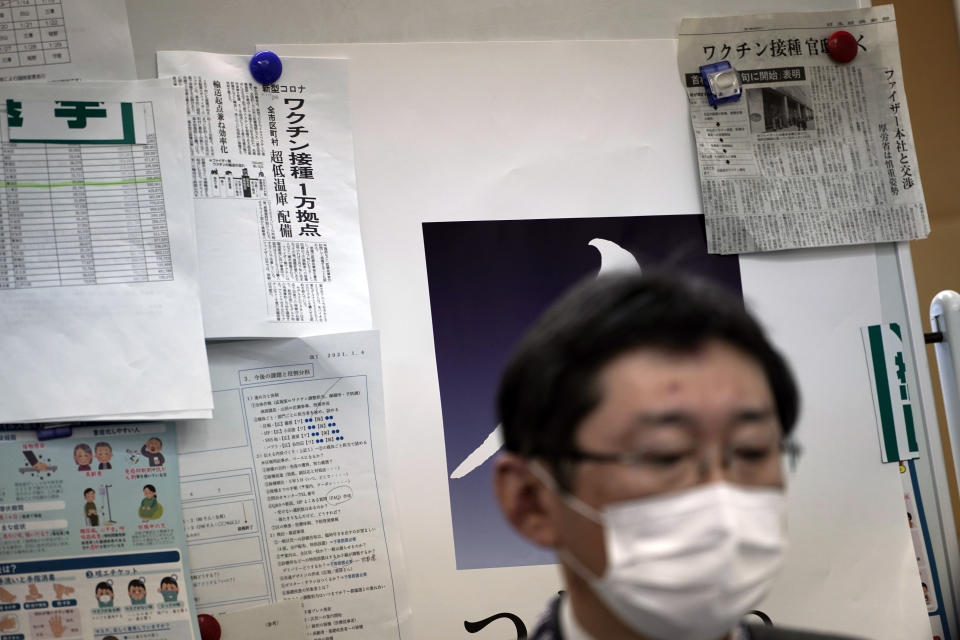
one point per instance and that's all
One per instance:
(780, 109)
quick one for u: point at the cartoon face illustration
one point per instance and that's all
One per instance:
(82, 455)
(90, 513)
(104, 593)
(103, 451)
(149, 509)
(151, 450)
(137, 591)
(169, 589)
(9, 622)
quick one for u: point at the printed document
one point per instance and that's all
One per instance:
(281, 621)
(286, 493)
(93, 542)
(99, 304)
(65, 40)
(276, 198)
(815, 152)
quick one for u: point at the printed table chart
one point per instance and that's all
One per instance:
(32, 33)
(82, 214)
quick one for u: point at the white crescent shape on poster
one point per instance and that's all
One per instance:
(481, 454)
(613, 258)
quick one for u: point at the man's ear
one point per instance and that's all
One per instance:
(529, 506)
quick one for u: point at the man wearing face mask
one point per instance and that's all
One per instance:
(645, 419)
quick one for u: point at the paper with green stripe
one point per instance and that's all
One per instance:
(887, 371)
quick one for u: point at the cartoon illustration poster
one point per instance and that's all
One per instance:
(488, 281)
(92, 536)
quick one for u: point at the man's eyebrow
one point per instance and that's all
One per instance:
(753, 416)
(687, 420)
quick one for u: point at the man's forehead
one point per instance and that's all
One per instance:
(656, 387)
(665, 366)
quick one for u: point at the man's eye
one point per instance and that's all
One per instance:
(666, 459)
(752, 454)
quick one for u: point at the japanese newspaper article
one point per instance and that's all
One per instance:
(286, 493)
(276, 199)
(93, 540)
(814, 152)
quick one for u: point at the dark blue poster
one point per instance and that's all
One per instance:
(488, 282)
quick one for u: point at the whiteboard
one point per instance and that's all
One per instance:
(577, 129)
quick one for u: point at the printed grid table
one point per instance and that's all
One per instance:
(73, 214)
(32, 33)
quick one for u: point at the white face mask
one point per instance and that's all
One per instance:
(687, 565)
(106, 599)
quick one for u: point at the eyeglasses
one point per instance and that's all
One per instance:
(748, 465)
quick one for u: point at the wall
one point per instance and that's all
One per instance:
(407, 195)
(931, 68)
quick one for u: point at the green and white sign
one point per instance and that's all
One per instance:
(70, 122)
(891, 395)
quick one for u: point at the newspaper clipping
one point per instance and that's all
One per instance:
(815, 152)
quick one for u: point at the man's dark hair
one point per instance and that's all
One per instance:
(169, 580)
(136, 583)
(86, 491)
(549, 385)
(105, 586)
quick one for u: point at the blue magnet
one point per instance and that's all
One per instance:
(265, 66)
(722, 83)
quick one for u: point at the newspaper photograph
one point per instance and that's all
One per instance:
(814, 152)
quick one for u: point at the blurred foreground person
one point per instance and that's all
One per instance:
(645, 419)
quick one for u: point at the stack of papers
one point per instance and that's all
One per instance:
(139, 219)
(109, 189)
(99, 308)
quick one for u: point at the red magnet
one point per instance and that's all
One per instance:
(842, 46)
(209, 627)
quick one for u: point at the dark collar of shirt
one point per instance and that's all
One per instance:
(548, 628)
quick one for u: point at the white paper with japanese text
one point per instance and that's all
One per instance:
(276, 198)
(280, 621)
(286, 493)
(814, 153)
(65, 40)
(93, 542)
(99, 303)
